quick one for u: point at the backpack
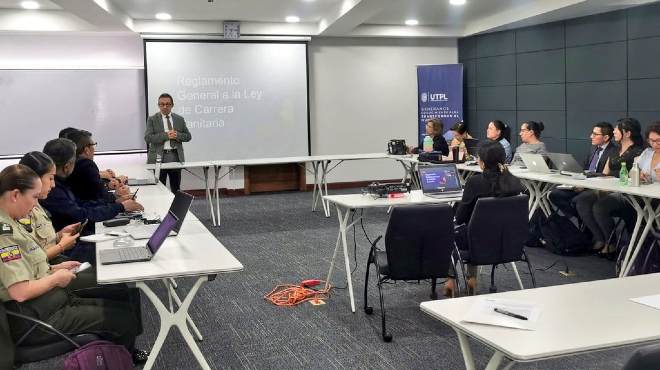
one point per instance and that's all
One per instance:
(99, 355)
(648, 258)
(561, 236)
(535, 238)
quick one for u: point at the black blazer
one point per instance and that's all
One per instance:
(610, 150)
(439, 145)
(480, 186)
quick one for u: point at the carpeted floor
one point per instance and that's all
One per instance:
(279, 240)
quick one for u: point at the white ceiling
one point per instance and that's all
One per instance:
(348, 18)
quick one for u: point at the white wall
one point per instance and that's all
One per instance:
(363, 91)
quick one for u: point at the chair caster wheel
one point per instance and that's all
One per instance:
(387, 337)
(368, 310)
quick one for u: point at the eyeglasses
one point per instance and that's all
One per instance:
(654, 141)
(596, 134)
(524, 130)
(165, 104)
(92, 144)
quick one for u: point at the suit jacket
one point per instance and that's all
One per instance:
(610, 150)
(155, 136)
(86, 183)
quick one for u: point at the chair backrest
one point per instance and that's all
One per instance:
(498, 230)
(6, 342)
(419, 241)
(644, 358)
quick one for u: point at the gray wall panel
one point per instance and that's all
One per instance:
(554, 145)
(643, 95)
(485, 116)
(541, 97)
(499, 43)
(470, 73)
(644, 58)
(471, 98)
(644, 21)
(579, 148)
(554, 121)
(496, 98)
(579, 123)
(543, 37)
(596, 29)
(645, 117)
(496, 71)
(597, 96)
(541, 67)
(596, 62)
(467, 48)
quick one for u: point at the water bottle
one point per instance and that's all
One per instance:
(428, 144)
(159, 159)
(623, 174)
(634, 174)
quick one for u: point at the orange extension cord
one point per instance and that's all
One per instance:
(291, 295)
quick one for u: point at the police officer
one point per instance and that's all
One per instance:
(30, 285)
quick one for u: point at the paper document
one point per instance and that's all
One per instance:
(504, 312)
(97, 238)
(649, 300)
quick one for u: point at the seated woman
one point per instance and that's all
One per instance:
(494, 181)
(530, 133)
(28, 284)
(499, 131)
(434, 128)
(649, 160)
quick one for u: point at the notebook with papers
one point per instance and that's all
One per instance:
(180, 206)
(141, 253)
(440, 181)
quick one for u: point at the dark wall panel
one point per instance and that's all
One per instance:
(543, 37)
(493, 44)
(496, 71)
(467, 48)
(496, 98)
(470, 73)
(471, 98)
(554, 145)
(645, 117)
(644, 21)
(541, 67)
(644, 58)
(579, 123)
(579, 148)
(596, 62)
(541, 97)
(643, 95)
(596, 29)
(485, 116)
(597, 96)
(554, 121)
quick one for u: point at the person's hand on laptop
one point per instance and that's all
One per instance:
(131, 205)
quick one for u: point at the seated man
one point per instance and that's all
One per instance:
(85, 180)
(603, 147)
(106, 175)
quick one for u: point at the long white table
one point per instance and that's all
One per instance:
(349, 203)
(575, 319)
(194, 252)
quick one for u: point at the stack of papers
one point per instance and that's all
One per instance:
(504, 312)
(650, 300)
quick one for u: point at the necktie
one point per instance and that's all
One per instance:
(169, 127)
(594, 160)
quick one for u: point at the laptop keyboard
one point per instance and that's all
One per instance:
(124, 254)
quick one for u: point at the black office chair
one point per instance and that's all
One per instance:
(25, 353)
(644, 358)
(496, 234)
(419, 242)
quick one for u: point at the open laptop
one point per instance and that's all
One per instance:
(565, 163)
(472, 146)
(535, 163)
(440, 181)
(141, 253)
(141, 182)
(180, 206)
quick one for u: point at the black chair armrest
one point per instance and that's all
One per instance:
(373, 244)
(43, 324)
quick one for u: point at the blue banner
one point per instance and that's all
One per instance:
(440, 95)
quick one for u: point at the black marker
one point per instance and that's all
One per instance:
(134, 194)
(505, 312)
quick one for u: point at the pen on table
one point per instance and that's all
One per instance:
(134, 194)
(505, 312)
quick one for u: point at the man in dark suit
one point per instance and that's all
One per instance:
(602, 148)
(166, 132)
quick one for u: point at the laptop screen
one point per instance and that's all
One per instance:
(161, 233)
(180, 206)
(439, 179)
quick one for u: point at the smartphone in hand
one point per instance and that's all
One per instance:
(82, 267)
(82, 226)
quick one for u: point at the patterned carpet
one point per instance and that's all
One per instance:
(279, 240)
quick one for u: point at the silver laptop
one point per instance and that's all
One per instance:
(142, 253)
(565, 163)
(180, 206)
(141, 182)
(440, 181)
(535, 163)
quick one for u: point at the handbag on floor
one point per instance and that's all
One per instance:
(99, 355)
(561, 236)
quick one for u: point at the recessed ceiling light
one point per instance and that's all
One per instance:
(457, 2)
(412, 22)
(163, 16)
(292, 19)
(30, 5)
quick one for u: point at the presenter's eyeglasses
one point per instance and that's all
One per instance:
(165, 104)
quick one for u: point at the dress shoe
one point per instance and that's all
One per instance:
(139, 356)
